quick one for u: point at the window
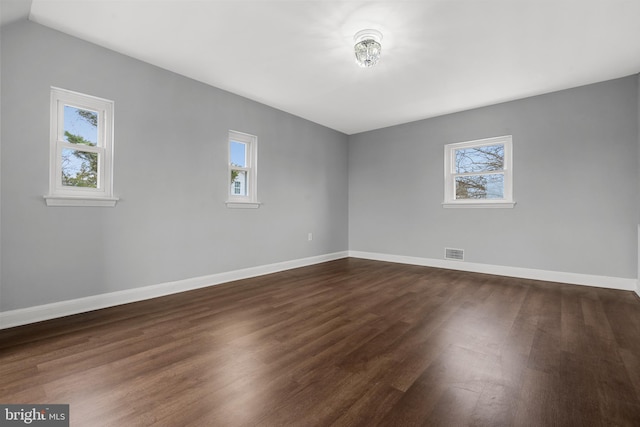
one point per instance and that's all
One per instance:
(479, 173)
(242, 174)
(81, 150)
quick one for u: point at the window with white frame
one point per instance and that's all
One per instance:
(81, 150)
(479, 173)
(243, 169)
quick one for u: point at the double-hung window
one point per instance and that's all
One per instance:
(81, 150)
(479, 173)
(243, 168)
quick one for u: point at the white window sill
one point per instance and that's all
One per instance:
(107, 202)
(242, 205)
(483, 204)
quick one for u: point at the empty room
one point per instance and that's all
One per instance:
(319, 213)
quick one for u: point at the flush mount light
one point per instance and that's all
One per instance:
(367, 47)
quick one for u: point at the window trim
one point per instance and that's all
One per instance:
(450, 200)
(60, 195)
(250, 201)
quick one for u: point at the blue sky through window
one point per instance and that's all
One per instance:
(238, 154)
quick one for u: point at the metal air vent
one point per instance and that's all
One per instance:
(454, 254)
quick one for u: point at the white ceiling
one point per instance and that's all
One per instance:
(438, 56)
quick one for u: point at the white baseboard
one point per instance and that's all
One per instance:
(9, 319)
(524, 273)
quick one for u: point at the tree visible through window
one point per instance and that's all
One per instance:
(243, 169)
(239, 166)
(475, 177)
(479, 173)
(81, 150)
(80, 168)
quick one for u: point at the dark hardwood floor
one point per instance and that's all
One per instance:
(346, 343)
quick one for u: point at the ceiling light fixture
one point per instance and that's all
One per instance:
(367, 48)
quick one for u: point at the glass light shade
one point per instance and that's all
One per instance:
(367, 48)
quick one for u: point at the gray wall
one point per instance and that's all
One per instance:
(575, 156)
(170, 173)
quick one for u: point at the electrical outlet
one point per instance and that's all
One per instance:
(310, 236)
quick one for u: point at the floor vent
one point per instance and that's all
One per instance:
(454, 254)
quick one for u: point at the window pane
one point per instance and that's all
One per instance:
(80, 126)
(480, 159)
(238, 154)
(489, 186)
(238, 183)
(79, 168)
